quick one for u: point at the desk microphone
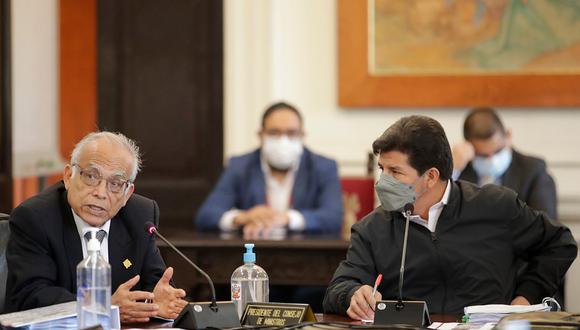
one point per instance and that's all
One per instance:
(201, 315)
(407, 210)
(402, 312)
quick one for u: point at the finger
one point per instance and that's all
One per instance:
(363, 308)
(356, 312)
(135, 320)
(179, 293)
(378, 296)
(180, 304)
(141, 314)
(130, 283)
(141, 309)
(371, 301)
(140, 295)
(252, 233)
(251, 229)
(167, 275)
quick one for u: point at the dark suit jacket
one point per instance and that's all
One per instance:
(316, 193)
(528, 177)
(45, 248)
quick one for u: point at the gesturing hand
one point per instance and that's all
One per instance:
(169, 299)
(130, 309)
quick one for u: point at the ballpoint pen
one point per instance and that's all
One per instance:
(377, 282)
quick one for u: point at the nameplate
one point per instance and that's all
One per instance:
(276, 314)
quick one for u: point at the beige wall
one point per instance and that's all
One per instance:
(34, 87)
(287, 49)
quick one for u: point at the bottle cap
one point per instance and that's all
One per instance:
(93, 244)
(249, 256)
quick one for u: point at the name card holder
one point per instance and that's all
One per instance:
(405, 312)
(276, 314)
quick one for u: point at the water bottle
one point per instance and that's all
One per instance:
(94, 288)
(249, 282)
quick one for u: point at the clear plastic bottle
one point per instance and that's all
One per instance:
(249, 282)
(94, 288)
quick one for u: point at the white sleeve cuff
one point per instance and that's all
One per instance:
(296, 220)
(227, 220)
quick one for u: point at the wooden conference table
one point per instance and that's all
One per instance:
(320, 317)
(295, 259)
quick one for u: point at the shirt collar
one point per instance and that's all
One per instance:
(434, 211)
(445, 199)
(83, 227)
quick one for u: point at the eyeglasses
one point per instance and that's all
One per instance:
(292, 133)
(92, 177)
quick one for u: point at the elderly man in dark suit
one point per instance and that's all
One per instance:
(488, 157)
(47, 235)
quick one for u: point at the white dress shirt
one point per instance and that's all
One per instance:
(278, 197)
(83, 228)
(434, 211)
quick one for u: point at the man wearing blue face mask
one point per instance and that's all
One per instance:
(464, 242)
(280, 185)
(487, 157)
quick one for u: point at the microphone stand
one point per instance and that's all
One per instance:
(408, 210)
(201, 315)
(213, 305)
(400, 311)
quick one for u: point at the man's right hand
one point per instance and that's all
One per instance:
(361, 302)
(130, 309)
(462, 153)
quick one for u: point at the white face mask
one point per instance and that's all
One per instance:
(494, 166)
(282, 152)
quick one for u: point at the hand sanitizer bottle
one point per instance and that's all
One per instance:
(249, 282)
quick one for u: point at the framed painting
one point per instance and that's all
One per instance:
(458, 53)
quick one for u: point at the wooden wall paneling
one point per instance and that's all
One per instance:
(77, 71)
(160, 82)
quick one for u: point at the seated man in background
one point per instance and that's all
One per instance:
(464, 240)
(487, 156)
(280, 185)
(48, 235)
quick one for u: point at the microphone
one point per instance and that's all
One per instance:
(196, 316)
(407, 210)
(399, 311)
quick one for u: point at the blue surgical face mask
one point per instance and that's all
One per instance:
(494, 166)
(394, 194)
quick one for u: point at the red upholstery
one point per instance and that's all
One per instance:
(358, 195)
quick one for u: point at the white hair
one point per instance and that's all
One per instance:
(117, 138)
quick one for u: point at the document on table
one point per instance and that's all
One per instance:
(37, 315)
(481, 314)
(63, 316)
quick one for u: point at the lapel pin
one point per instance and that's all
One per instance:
(127, 263)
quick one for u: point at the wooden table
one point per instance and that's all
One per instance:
(292, 260)
(320, 317)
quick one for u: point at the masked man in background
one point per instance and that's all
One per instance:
(280, 185)
(488, 157)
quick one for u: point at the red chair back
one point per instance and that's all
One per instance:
(358, 195)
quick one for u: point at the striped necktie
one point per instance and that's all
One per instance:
(100, 235)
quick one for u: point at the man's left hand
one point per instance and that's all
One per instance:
(169, 299)
(520, 300)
